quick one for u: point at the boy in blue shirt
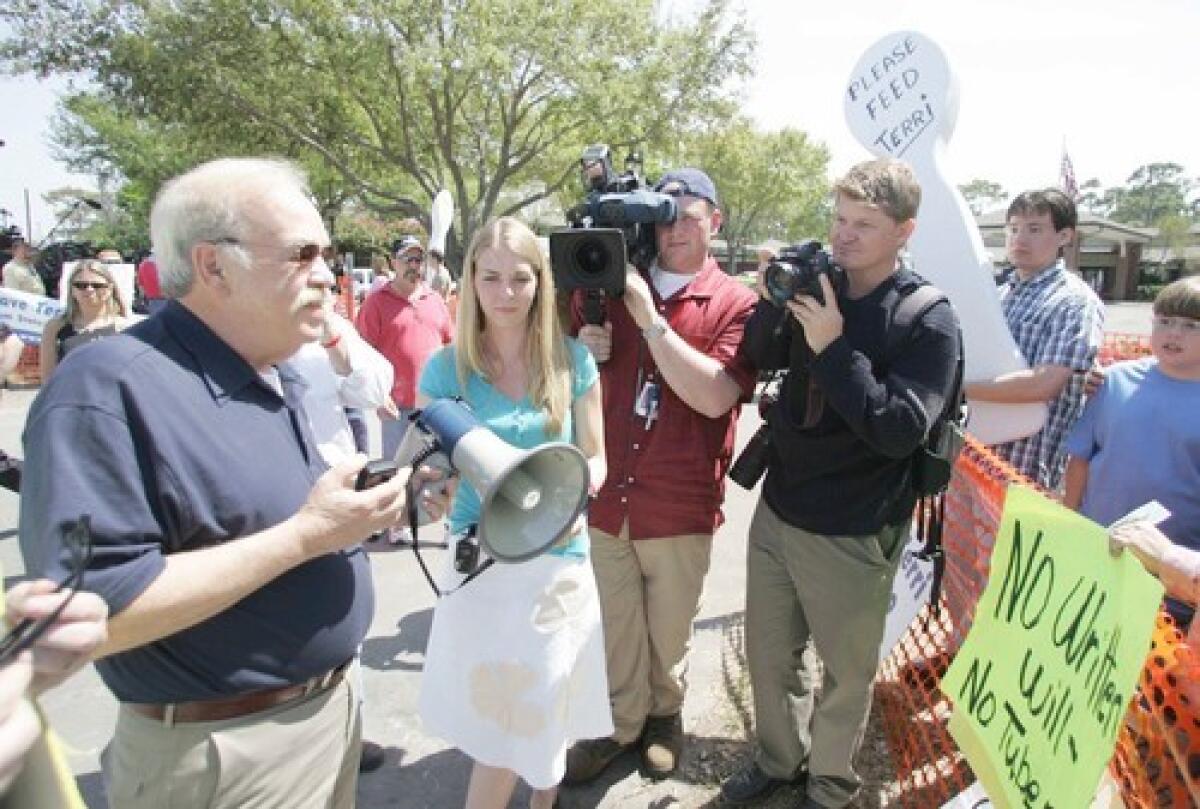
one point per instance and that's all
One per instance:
(1139, 437)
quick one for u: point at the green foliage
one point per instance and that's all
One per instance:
(982, 195)
(770, 184)
(1148, 292)
(1153, 192)
(390, 101)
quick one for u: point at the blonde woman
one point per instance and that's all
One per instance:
(94, 310)
(514, 671)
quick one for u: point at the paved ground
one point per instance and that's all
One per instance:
(421, 772)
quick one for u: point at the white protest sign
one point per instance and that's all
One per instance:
(910, 592)
(26, 314)
(1108, 796)
(902, 101)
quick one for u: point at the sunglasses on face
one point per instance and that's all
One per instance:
(89, 285)
(414, 259)
(300, 254)
(77, 539)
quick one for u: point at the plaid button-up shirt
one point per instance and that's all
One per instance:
(1056, 319)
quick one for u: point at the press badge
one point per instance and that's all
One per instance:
(646, 405)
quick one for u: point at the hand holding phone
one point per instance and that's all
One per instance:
(374, 473)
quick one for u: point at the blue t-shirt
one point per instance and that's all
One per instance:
(1141, 437)
(519, 423)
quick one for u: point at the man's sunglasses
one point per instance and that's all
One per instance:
(77, 539)
(299, 254)
(89, 285)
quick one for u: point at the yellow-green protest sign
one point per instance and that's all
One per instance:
(1044, 677)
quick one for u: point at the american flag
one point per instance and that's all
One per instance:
(1069, 186)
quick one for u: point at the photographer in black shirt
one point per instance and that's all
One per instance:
(827, 536)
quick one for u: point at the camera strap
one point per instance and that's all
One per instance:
(414, 527)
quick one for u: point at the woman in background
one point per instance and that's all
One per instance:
(94, 310)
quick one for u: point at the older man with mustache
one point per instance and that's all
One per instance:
(227, 552)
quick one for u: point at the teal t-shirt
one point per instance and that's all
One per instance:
(519, 423)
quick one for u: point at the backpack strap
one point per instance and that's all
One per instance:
(931, 511)
(913, 306)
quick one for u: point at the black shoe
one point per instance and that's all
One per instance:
(752, 785)
(371, 758)
(588, 758)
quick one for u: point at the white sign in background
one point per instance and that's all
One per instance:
(902, 102)
(26, 314)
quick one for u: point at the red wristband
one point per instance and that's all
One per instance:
(337, 338)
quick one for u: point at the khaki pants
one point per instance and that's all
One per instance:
(302, 755)
(833, 590)
(649, 596)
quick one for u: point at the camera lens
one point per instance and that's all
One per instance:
(781, 281)
(591, 257)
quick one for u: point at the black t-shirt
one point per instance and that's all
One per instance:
(849, 420)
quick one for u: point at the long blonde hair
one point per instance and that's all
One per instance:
(545, 345)
(115, 306)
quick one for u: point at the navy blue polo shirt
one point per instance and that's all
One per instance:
(172, 442)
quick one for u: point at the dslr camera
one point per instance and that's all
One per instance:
(613, 226)
(751, 464)
(797, 271)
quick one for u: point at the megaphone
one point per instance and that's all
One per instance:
(529, 499)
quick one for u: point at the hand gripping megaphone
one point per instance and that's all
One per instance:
(529, 499)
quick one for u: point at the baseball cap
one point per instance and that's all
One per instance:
(689, 181)
(402, 246)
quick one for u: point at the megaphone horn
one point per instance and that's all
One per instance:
(529, 499)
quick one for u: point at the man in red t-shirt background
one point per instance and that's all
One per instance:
(406, 322)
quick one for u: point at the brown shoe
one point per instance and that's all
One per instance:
(589, 758)
(662, 741)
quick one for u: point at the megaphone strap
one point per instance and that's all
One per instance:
(414, 527)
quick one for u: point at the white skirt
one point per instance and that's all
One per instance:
(514, 670)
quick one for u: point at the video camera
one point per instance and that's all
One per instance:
(798, 270)
(613, 226)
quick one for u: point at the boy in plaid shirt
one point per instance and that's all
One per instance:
(1058, 324)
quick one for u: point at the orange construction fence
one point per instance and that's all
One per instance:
(1157, 757)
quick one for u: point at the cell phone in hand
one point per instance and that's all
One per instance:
(374, 473)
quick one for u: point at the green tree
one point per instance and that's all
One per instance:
(982, 195)
(1094, 199)
(1153, 191)
(771, 184)
(1172, 239)
(401, 98)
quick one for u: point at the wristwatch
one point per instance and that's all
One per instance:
(657, 328)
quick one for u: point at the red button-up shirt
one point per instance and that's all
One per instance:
(668, 479)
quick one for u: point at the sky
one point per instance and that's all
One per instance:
(1112, 80)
